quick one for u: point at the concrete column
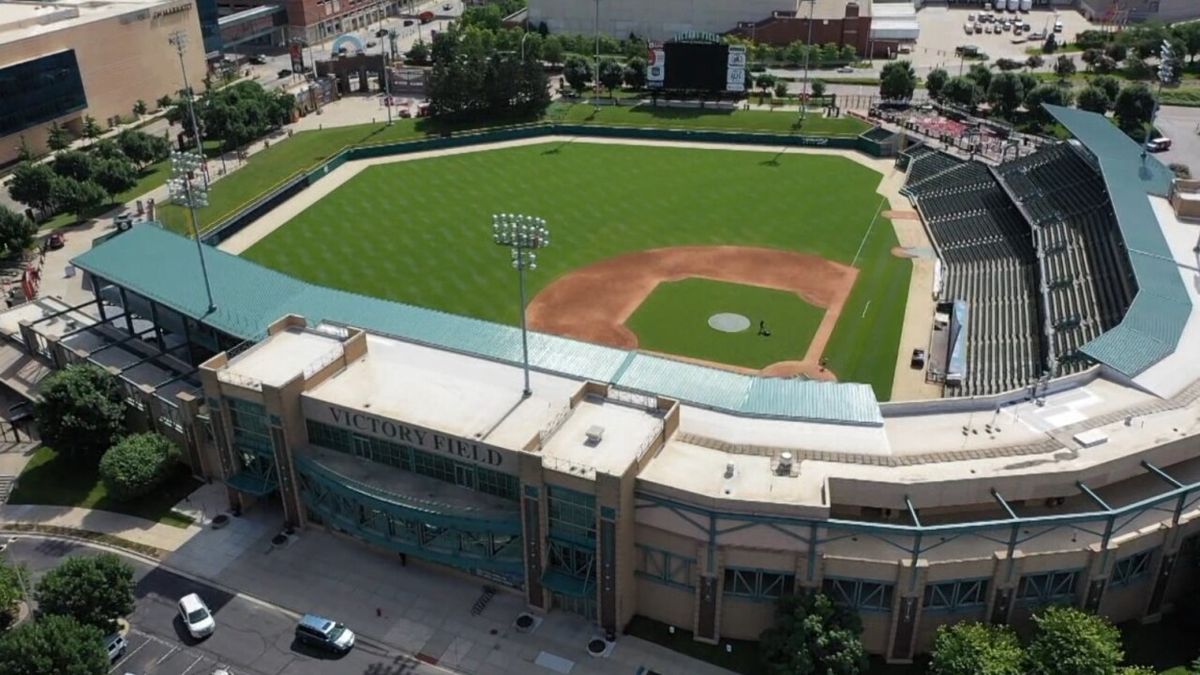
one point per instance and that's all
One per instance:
(1006, 578)
(1164, 567)
(28, 336)
(1100, 564)
(709, 587)
(906, 610)
(533, 530)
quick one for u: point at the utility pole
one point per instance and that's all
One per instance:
(807, 53)
(179, 40)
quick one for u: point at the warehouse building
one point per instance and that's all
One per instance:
(62, 61)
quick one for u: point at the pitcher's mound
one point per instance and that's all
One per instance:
(728, 322)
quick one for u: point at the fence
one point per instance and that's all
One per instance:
(256, 209)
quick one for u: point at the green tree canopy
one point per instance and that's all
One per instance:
(1045, 93)
(812, 636)
(962, 91)
(75, 164)
(1006, 65)
(115, 175)
(471, 79)
(552, 50)
(981, 75)
(1064, 67)
(1070, 641)
(897, 80)
(95, 590)
(1093, 99)
(142, 148)
(137, 464)
(1133, 108)
(635, 72)
(1006, 92)
(611, 75)
(972, 648)
(91, 128)
(79, 197)
(81, 411)
(59, 138)
(935, 81)
(32, 184)
(1110, 85)
(419, 53)
(16, 231)
(53, 645)
(577, 73)
(12, 591)
(140, 108)
(1035, 61)
(818, 88)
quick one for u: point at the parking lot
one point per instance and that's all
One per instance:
(151, 655)
(942, 31)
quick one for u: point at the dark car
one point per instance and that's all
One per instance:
(284, 73)
(918, 359)
(258, 60)
(322, 633)
(55, 241)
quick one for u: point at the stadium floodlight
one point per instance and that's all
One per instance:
(523, 235)
(807, 51)
(1166, 74)
(186, 191)
(178, 40)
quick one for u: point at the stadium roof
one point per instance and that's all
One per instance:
(164, 267)
(1159, 312)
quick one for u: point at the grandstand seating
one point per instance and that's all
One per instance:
(990, 262)
(1088, 277)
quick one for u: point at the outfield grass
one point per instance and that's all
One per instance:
(419, 231)
(778, 121)
(674, 320)
(52, 478)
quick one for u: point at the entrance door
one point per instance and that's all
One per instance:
(464, 476)
(362, 447)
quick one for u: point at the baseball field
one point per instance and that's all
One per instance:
(648, 245)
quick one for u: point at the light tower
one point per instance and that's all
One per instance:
(523, 235)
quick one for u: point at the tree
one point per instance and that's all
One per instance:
(419, 53)
(31, 185)
(163, 101)
(142, 148)
(1110, 85)
(1094, 99)
(1035, 61)
(935, 81)
(781, 89)
(12, 591)
(1189, 34)
(1070, 641)
(765, 82)
(1090, 56)
(16, 231)
(115, 175)
(79, 197)
(1006, 93)
(1045, 93)
(1138, 670)
(577, 73)
(53, 645)
(91, 128)
(137, 464)
(1091, 39)
(94, 590)
(552, 50)
(811, 635)
(981, 75)
(961, 90)
(81, 411)
(75, 164)
(59, 138)
(1116, 51)
(140, 108)
(1064, 67)
(1104, 65)
(635, 73)
(1006, 65)
(897, 80)
(818, 88)
(611, 75)
(972, 648)
(1133, 108)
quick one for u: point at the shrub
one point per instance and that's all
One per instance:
(136, 465)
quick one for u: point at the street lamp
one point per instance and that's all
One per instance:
(185, 191)
(523, 235)
(807, 51)
(1166, 73)
(179, 40)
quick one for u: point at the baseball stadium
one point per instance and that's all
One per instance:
(936, 388)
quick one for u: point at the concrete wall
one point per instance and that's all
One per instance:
(119, 63)
(651, 19)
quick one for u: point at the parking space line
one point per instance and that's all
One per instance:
(167, 655)
(198, 659)
(127, 656)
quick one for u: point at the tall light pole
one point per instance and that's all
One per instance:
(596, 65)
(807, 52)
(185, 191)
(179, 40)
(523, 235)
(1165, 74)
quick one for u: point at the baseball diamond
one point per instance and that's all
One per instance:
(360, 369)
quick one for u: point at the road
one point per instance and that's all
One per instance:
(251, 638)
(1182, 126)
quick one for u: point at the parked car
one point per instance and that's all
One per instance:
(918, 359)
(323, 633)
(196, 616)
(284, 72)
(55, 241)
(845, 69)
(258, 60)
(425, 16)
(371, 43)
(1160, 144)
(116, 646)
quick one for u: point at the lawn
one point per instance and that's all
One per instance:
(777, 121)
(674, 320)
(55, 479)
(419, 231)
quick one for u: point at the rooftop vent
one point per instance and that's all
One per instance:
(729, 470)
(595, 434)
(784, 468)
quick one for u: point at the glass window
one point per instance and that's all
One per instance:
(758, 584)
(571, 514)
(956, 595)
(40, 90)
(664, 566)
(859, 594)
(1048, 587)
(1133, 568)
(249, 422)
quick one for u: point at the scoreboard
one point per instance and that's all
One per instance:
(697, 66)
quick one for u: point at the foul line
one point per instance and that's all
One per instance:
(863, 243)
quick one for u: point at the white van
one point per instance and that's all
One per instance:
(1058, 27)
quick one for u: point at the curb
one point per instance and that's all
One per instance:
(4, 530)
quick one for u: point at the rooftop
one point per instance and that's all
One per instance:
(291, 352)
(20, 20)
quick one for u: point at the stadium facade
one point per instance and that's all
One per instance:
(630, 484)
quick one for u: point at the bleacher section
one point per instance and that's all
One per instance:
(990, 262)
(1088, 277)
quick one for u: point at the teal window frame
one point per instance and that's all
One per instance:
(1132, 569)
(571, 515)
(664, 567)
(957, 595)
(1045, 588)
(757, 583)
(863, 595)
(248, 423)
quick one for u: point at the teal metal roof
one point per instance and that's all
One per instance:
(1154, 323)
(165, 268)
